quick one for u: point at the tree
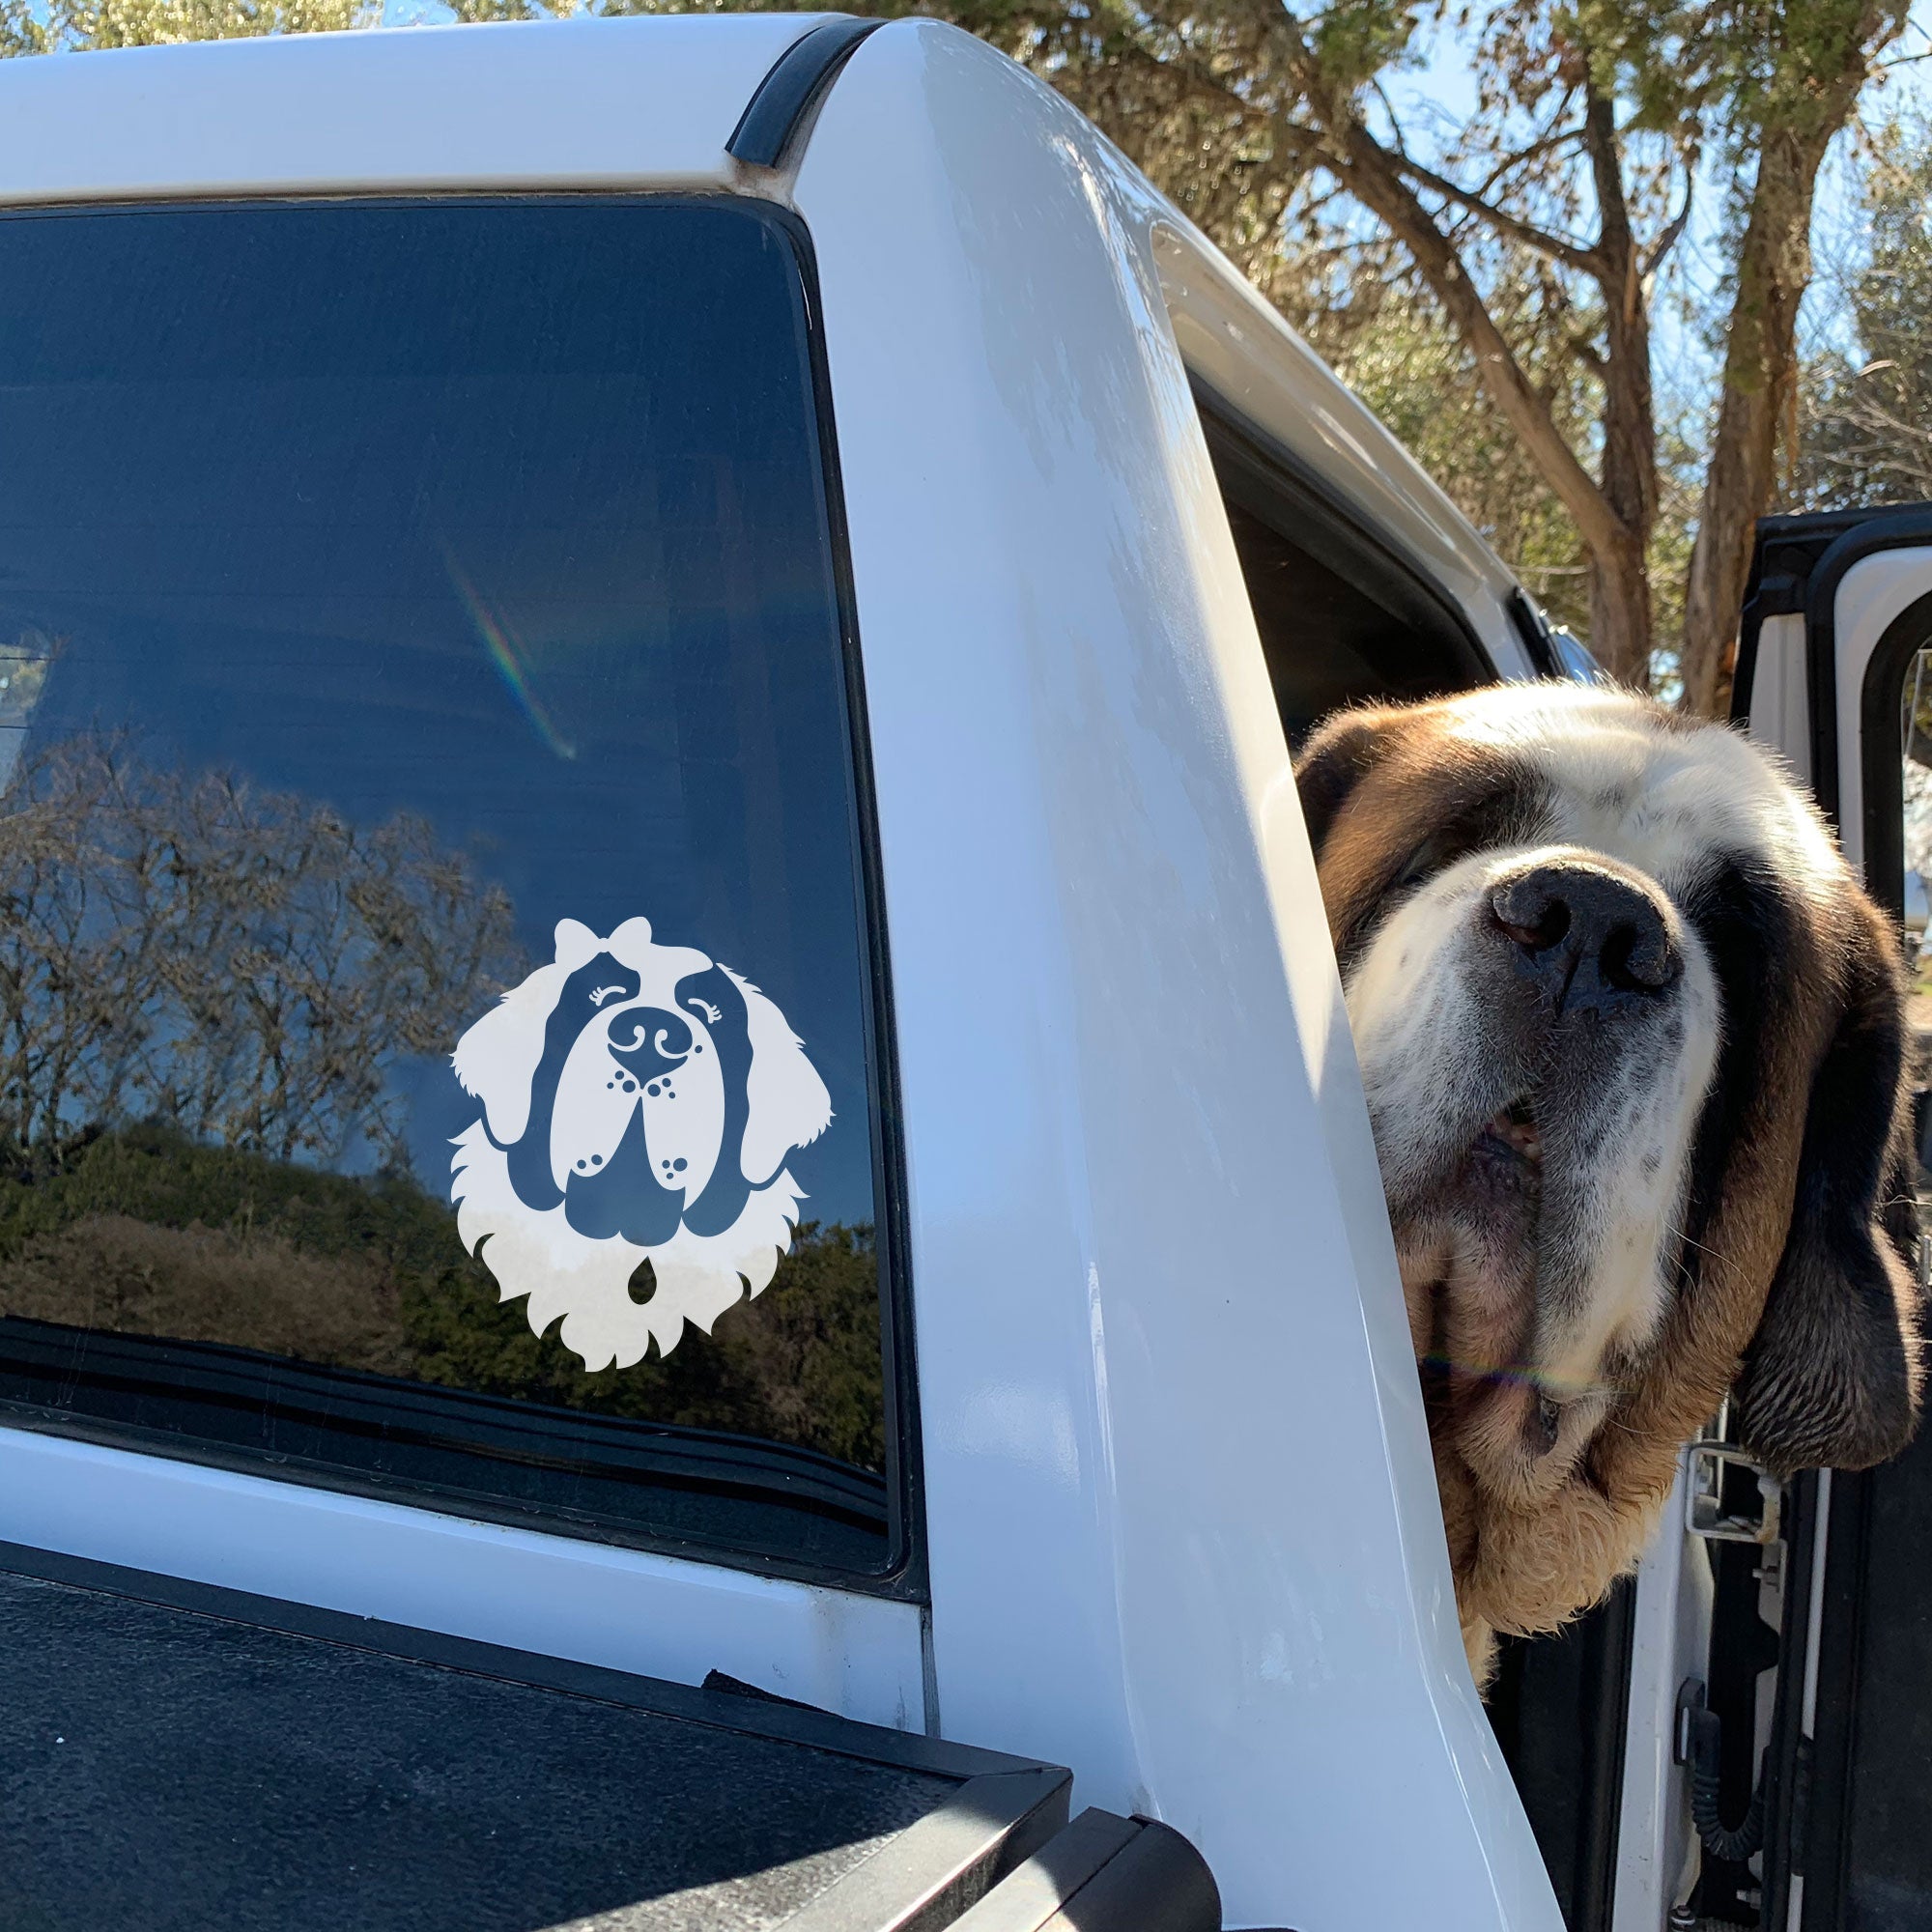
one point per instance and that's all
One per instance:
(1530, 240)
(1539, 228)
(1865, 404)
(69, 24)
(1391, 344)
(1791, 106)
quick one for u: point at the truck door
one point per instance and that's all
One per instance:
(1836, 669)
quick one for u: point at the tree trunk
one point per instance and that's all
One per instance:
(1620, 633)
(1761, 355)
(1374, 176)
(1612, 515)
(1760, 372)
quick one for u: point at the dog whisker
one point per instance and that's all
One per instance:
(1683, 1240)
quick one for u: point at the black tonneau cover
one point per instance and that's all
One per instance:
(175, 1756)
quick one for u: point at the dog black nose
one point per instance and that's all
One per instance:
(1588, 938)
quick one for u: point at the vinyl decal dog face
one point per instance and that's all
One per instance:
(640, 1103)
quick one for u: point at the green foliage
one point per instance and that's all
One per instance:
(146, 1232)
(1357, 40)
(1392, 347)
(76, 24)
(1716, 74)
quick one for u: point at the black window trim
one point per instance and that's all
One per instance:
(1815, 1784)
(1883, 781)
(1532, 629)
(1797, 566)
(777, 120)
(903, 1576)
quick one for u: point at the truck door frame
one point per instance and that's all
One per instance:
(1835, 607)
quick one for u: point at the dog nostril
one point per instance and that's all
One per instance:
(1640, 960)
(1533, 920)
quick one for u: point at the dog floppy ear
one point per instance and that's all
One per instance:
(1340, 753)
(1830, 1379)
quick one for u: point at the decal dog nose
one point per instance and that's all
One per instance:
(1586, 937)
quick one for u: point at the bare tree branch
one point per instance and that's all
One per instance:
(1548, 145)
(1375, 177)
(1660, 249)
(1556, 248)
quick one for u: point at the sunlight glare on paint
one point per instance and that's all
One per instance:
(502, 645)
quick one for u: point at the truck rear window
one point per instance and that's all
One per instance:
(438, 1042)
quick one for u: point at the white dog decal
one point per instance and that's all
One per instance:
(640, 1103)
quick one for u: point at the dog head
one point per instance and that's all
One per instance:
(639, 1103)
(1633, 1045)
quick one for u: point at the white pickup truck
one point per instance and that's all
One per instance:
(530, 556)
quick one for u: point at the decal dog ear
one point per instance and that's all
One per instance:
(786, 1104)
(772, 1097)
(497, 1058)
(1831, 1379)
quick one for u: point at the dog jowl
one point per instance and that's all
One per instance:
(1633, 1040)
(639, 1103)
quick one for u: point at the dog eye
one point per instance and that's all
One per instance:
(1425, 859)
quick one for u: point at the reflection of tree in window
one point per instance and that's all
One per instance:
(23, 676)
(243, 965)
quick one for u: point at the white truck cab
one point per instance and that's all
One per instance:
(532, 553)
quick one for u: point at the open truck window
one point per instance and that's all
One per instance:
(1342, 618)
(1345, 620)
(441, 1041)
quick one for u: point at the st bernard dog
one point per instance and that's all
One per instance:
(1633, 1043)
(640, 1103)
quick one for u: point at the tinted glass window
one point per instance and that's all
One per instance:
(433, 970)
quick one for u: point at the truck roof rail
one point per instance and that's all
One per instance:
(778, 111)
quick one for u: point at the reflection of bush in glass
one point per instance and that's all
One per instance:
(241, 964)
(144, 1232)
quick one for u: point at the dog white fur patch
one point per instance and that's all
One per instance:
(640, 1103)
